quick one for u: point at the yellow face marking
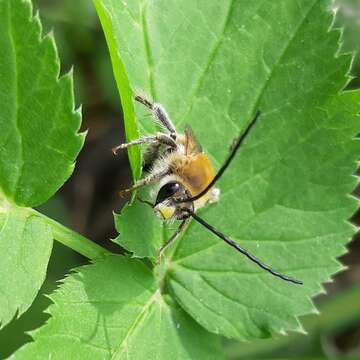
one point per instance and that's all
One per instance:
(166, 211)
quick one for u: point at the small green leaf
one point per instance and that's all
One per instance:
(286, 195)
(139, 229)
(25, 248)
(113, 309)
(38, 124)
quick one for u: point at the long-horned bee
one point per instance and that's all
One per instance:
(186, 177)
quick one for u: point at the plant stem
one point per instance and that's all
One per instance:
(74, 240)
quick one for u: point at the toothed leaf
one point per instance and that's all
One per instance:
(286, 196)
(347, 17)
(132, 236)
(122, 317)
(38, 124)
(38, 146)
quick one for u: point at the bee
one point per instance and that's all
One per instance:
(185, 177)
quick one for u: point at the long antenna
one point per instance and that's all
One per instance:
(234, 150)
(243, 251)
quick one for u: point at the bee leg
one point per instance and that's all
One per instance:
(159, 113)
(174, 236)
(152, 178)
(158, 138)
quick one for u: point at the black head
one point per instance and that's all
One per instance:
(166, 191)
(167, 205)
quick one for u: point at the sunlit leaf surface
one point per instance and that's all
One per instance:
(124, 317)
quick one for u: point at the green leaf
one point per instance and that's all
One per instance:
(347, 17)
(286, 196)
(25, 248)
(339, 312)
(123, 317)
(38, 146)
(124, 87)
(139, 229)
(38, 124)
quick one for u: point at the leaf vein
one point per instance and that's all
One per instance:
(148, 50)
(16, 104)
(203, 304)
(245, 306)
(282, 55)
(212, 56)
(137, 321)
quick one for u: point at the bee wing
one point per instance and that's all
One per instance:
(192, 146)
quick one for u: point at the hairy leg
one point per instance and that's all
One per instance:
(174, 236)
(157, 138)
(150, 179)
(159, 113)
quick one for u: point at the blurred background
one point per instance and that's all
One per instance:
(87, 201)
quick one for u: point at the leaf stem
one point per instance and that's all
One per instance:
(74, 240)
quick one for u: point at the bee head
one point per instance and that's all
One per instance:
(167, 205)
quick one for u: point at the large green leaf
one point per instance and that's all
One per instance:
(124, 317)
(339, 313)
(38, 146)
(38, 124)
(286, 196)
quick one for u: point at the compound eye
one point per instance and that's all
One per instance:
(166, 191)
